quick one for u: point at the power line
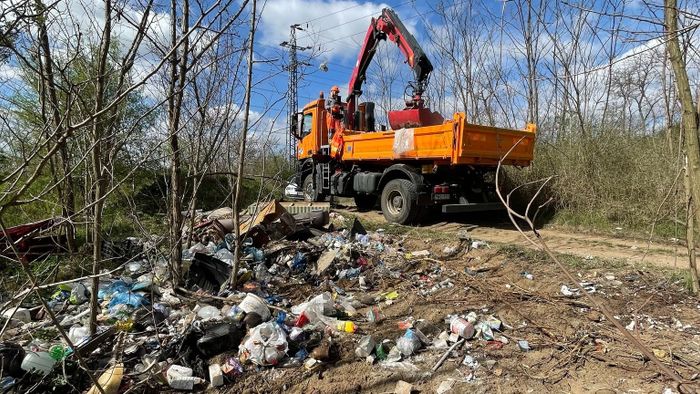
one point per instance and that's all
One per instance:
(332, 13)
(352, 20)
(418, 15)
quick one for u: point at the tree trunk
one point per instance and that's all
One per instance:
(241, 152)
(178, 71)
(66, 192)
(690, 235)
(97, 165)
(689, 121)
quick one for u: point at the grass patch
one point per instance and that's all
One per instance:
(664, 229)
(577, 262)
(682, 278)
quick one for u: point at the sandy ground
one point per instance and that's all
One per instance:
(495, 228)
(574, 348)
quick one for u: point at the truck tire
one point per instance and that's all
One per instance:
(310, 193)
(365, 202)
(400, 201)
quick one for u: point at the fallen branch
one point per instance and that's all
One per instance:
(540, 243)
(447, 353)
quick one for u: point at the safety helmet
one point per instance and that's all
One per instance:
(335, 88)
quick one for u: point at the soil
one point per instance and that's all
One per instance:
(574, 347)
(496, 228)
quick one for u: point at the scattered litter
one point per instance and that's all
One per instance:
(524, 345)
(445, 386)
(479, 245)
(308, 295)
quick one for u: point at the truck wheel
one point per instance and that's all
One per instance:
(310, 193)
(400, 201)
(365, 202)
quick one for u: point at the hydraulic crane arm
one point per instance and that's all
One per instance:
(388, 25)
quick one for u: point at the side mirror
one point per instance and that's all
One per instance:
(295, 126)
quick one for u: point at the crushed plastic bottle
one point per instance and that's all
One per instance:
(124, 325)
(224, 255)
(261, 273)
(180, 378)
(78, 294)
(299, 262)
(374, 315)
(345, 326)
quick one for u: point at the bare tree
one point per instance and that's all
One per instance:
(242, 149)
(689, 119)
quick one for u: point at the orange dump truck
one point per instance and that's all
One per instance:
(421, 162)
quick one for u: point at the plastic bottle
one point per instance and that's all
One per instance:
(461, 327)
(295, 333)
(380, 350)
(40, 362)
(110, 380)
(345, 326)
(58, 352)
(180, 378)
(78, 335)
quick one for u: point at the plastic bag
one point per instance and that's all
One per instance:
(118, 286)
(78, 294)
(403, 141)
(266, 344)
(408, 343)
(133, 300)
(322, 304)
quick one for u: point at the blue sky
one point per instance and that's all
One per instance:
(336, 28)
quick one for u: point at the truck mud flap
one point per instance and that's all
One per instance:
(475, 207)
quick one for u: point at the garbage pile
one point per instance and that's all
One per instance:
(306, 284)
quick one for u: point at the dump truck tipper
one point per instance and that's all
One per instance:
(422, 162)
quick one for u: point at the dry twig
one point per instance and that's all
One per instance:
(540, 243)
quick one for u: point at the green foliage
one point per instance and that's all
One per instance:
(126, 130)
(608, 181)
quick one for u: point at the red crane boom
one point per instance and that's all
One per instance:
(389, 26)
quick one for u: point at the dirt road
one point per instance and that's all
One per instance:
(497, 229)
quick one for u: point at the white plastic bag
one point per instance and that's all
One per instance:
(322, 304)
(266, 344)
(403, 142)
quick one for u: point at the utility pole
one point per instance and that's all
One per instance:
(292, 98)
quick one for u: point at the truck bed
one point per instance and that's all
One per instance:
(454, 142)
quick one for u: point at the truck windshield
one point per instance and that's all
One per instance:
(306, 123)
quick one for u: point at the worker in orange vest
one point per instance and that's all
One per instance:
(335, 109)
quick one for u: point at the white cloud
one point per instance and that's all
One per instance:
(8, 72)
(329, 21)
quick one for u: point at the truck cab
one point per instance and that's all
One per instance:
(423, 162)
(312, 130)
